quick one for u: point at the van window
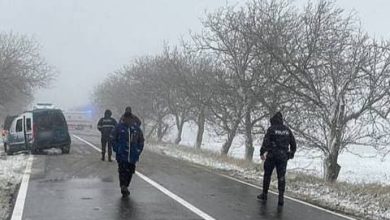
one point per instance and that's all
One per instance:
(28, 124)
(19, 125)
(49, 120)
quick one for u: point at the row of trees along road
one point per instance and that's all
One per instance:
(22, 70)
(315, 64)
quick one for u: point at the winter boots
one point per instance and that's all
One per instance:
(125, 192)
(281, 199)
(262, 197)
(104, 158)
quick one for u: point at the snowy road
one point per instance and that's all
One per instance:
(80, 186)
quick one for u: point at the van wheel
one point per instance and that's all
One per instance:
(65, 150)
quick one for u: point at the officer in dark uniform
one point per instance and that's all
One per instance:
(278, 147)
(105, 126)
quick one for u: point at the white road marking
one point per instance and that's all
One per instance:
(161, 188)
(86, 142)
(176, 198)
(17, 213)
(275, 193)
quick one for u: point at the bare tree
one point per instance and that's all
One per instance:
(137, 85)
(198, 87)
(338, 76)
(225, 35)
(329, 78)
(107, 95)
(173, 66)
(22, 69)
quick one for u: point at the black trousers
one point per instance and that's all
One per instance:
(126, 171)
(269, 165)
(106, 143)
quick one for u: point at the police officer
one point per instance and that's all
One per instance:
(278, 147)
(128, 143)
(105, 126)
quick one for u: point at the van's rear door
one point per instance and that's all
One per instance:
(50, 128)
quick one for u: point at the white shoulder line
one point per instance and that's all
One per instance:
(17, 213)
(161, 188)
(290, 198)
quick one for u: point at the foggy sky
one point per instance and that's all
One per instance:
(87, 39)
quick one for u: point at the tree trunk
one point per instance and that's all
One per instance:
(143, 124)
(331, 168)
(228, 143)
(151, 132)
(160, 129)
(249, 149)
(179, 126)
(179, 132)
(201, 124)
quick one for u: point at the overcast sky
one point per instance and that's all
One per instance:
(87, 39)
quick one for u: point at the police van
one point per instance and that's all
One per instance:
(37, 130)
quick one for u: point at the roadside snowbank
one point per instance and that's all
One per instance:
(11, 172)
(368, 201)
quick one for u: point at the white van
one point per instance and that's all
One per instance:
(20, 135)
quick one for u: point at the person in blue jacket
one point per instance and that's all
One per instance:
(128, 143)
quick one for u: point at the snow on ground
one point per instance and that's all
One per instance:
(11, 172)
(369, 202)
(195, 158)
(343, 198)
(364, 165)
(52, 151)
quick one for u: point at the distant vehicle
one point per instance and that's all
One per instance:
(44, 106)
(79, 120)
(38, 130)
(6, 126)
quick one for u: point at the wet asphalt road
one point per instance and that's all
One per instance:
(80, 186)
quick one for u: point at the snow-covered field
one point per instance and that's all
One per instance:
(364, 165)
(11, 172)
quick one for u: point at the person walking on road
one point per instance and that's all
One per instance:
(134, 119)
(278, 147)
(105, 126)
(128, 143)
